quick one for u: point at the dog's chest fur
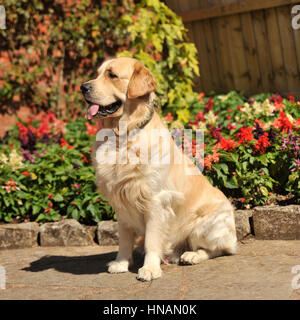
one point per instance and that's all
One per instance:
(129, 188)
(134, 189)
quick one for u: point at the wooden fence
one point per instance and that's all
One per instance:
(246, 45)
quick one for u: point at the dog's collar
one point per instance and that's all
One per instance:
(154, 103)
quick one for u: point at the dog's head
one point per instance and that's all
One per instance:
(118, 81)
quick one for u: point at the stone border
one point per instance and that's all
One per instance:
(268, 223)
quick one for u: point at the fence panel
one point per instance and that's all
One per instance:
(245, 45)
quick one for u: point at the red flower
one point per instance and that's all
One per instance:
(25, 173)
(259, 123)
(169, 117)
(277, 99)
(228, 117)
(49, 207)
(84, 158)
(43, 128)
(23, 131)
(63, 142)
(297, 123)
(90, 129)
(209, 105)
(227, 145)
(245, 135)
(262, 143)
(211, 158)
(215, 133)
(199, 116)
(231, 126)
(240, 108)
(201, 95)
(283, 123)
(50, 196)
(243, 200)
(291, 97)
(51, 116)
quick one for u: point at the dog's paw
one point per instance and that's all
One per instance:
(148, 274)
(191, 257)
(117, 266)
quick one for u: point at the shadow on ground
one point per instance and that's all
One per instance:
(93, 264)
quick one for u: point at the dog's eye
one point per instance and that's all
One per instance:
(112, 75)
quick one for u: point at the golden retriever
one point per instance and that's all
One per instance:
(181, 216)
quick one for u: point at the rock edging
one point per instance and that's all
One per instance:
(267, 223)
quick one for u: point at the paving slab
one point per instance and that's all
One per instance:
(262, 269)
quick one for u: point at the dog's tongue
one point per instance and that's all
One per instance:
(92, 110)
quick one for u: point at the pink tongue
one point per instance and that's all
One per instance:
(92, 110)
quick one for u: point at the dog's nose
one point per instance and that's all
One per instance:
(86, 87)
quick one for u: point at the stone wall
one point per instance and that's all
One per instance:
(268, 223)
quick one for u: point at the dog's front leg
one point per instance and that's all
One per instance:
(153, 250)
(124, 257)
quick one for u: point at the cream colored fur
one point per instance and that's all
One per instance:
(180, 216)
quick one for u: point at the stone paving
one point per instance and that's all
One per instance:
(262, 269)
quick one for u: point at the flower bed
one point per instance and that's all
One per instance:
(252, 146)
(46, 172)
(251, 154)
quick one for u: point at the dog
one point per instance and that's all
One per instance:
(181, 216)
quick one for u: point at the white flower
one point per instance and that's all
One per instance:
(210, 117)
(3, 158)
(257, 107)
(246, 108)
(268, 108)
(223, 98)
(202, 126)
(289, 116)
(15, 160)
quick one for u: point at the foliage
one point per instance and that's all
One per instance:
(252, 152)
(50, 48)
(252, 146)
(46, 172)
(159, 39)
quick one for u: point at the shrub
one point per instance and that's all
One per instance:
(46, 172)
(251, 154)
(50, 48)
(159, 39)
(251, 145)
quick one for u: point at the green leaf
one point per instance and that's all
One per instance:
(35, 209)
(224, 167)
(231, 183)
(75, 214)
(58, 198)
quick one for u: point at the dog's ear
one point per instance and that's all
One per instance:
(141, 82)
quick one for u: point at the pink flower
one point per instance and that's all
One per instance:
(76, 186)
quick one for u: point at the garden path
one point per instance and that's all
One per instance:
(260, 270)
